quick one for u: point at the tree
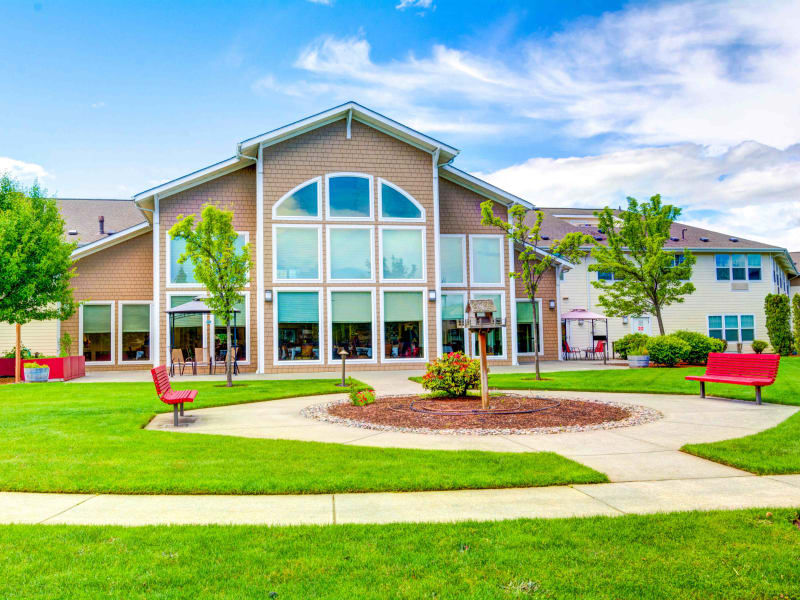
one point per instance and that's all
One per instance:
(218, 265)
(796, 320)
(534, 260)
(35, 259)
(648, 277)
(776, 307)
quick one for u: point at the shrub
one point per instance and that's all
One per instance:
(632, 340)
(453, 373)
(776, 306)
(65, 344)
(362, 398)
(700, 345)
(23, 352)
(759, 346)
(668, 350)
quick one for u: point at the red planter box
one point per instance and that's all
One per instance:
(61, 369)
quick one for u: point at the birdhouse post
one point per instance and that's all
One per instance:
(479, 319)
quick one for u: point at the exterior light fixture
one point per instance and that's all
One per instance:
(343, 353)
(552, 304)
(624, 320)
(267, 295)
(431, 295)
(580, 322)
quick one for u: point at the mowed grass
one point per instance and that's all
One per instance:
(72, 437)
(723, 555)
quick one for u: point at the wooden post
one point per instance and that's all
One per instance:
(18, 356)
(484, 370)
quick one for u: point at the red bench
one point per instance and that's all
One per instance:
(758, 370)
(169, 396)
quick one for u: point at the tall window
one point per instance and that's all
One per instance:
(402, 255)
(452, 259)
(96, 334)
(526, 327)
(238, 334)
(494, 339)
(298, 326)
(349, 197)
(301, 202)
(350, 253)
(351, 325)
(738, 267)
(296, 253)
(486, 260)
(403, 325)
(184, 273)
(188, 328)
(452, 312)
(135, 332)
(397, 204)
(732, 328)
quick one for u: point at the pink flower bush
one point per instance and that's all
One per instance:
(453, 373)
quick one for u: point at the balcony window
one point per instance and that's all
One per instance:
(403, 325)
(351, 325)
(298, 326)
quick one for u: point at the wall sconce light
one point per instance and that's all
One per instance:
(431, 295)
(552, 304)
(267, 295)
(580, 322)
(624, 320)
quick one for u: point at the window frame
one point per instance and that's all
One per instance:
(371, 290)
(329, 253)
(318, 181)
(423, 241)
(397, 188)
(112, 333)
(247, 331)
(540, 325)
(329, 176)
(472, 282)
(426, 348)
(473, 336)
(190, 286)
(275, 227)
(738, 326)
(746, 267)
(464, 260)
(122, 303)
(467, 336)
(322, 349)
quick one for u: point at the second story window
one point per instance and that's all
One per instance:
(738, 267)
(608, 276)
(349, 196)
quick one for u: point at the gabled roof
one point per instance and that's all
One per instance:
(481, 187)
(81, 215)
(111, 240)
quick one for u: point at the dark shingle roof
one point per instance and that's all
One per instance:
(82, 215)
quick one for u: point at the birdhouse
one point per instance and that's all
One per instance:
(480, 316)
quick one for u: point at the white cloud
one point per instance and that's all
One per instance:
(98, 105)
(18, 169)
(323, 2)
(423, 4)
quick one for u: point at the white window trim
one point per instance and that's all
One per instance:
(731, 267)
(91, 363)
(329, 253)
(318, 181)
(190, 286)
(246, 327)
(467, 337)
(204, 326)
(275, 277)
(504, 355)
(322, 350)
(328, 177)
(463, 238)
(738, 326)
(120, 349)
(540, 327)
(426, 348)
(383, 279)
(398, 189)
(472, 282)
(358, 361)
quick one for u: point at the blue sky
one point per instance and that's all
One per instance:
(566, 103)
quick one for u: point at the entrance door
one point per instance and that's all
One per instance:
(640, 325)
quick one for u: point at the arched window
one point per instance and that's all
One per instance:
(349, 196)
(397, 204)
(300, 203)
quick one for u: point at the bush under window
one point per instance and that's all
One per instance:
(633, 340)
(700, 346)
(668, 350)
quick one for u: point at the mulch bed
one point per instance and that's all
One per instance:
(6, 380)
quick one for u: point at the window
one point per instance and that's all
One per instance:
(296, 253)
(187, 328)
(298, 336)
(526, 329)
(134, 343)
(738, 267)
(494, 339)
(183, 274)
(402, 254)
(238, 322)
(608, 276)
(351, 325)
(96, 325)
(349, 196)
(452, 312)
(403, 325)
(732, 328)
(300, 203)
(452, 260)
(396, 204)
(350, 253)
(486, 259)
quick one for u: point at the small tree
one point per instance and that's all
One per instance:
(796, 321)
(776, 307)
(35, 259)
(534, 260)
(648, 277)
(218, 265)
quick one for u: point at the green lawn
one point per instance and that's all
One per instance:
(724, 555)
(88, 438)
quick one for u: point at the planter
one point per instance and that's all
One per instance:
(37, 374)
(61, 369)
(641, 361)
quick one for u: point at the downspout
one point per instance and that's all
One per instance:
(155, 318)
(240, 156)
(512, 289)
(560, 341)
(437, 284)
(260, 300)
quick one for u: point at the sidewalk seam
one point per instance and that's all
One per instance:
(333, 507)
(611, 506)
(61, 512)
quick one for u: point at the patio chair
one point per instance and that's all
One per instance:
(201, 358)
(569, 352)
(176, 358)
(597, 351)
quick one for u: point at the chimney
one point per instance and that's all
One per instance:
(683, 233)
(102, 221)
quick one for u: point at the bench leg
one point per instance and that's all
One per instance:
(758, 394)
(175, 415)
(702, 389)
(181, 408)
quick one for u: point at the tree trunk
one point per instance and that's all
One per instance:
(228, 359)
(18, 356)
(660, 320)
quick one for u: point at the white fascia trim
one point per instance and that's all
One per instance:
(97, 363)
(563, 262)
(112, 240)
(368, 177)
(359, 361)
(401, 191)
(229, 165)
(379, 261)
(120, 349)
(428, 345)
(322, 350)
(463, 237)
(329, 260)
(275, 278)
(481, 187)
(317, 180)
(499, 239)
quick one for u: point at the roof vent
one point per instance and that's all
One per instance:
(598, 237)
(703, 239)
(734, 240)
(72, 232)
(674, 239)
(545, 237)
(101, 221)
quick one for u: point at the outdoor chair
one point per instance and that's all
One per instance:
(176, 358)
(569, 352)
(201, 358)
(598, 350)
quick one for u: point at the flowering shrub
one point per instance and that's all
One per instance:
(362, 398)
(453, 373)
